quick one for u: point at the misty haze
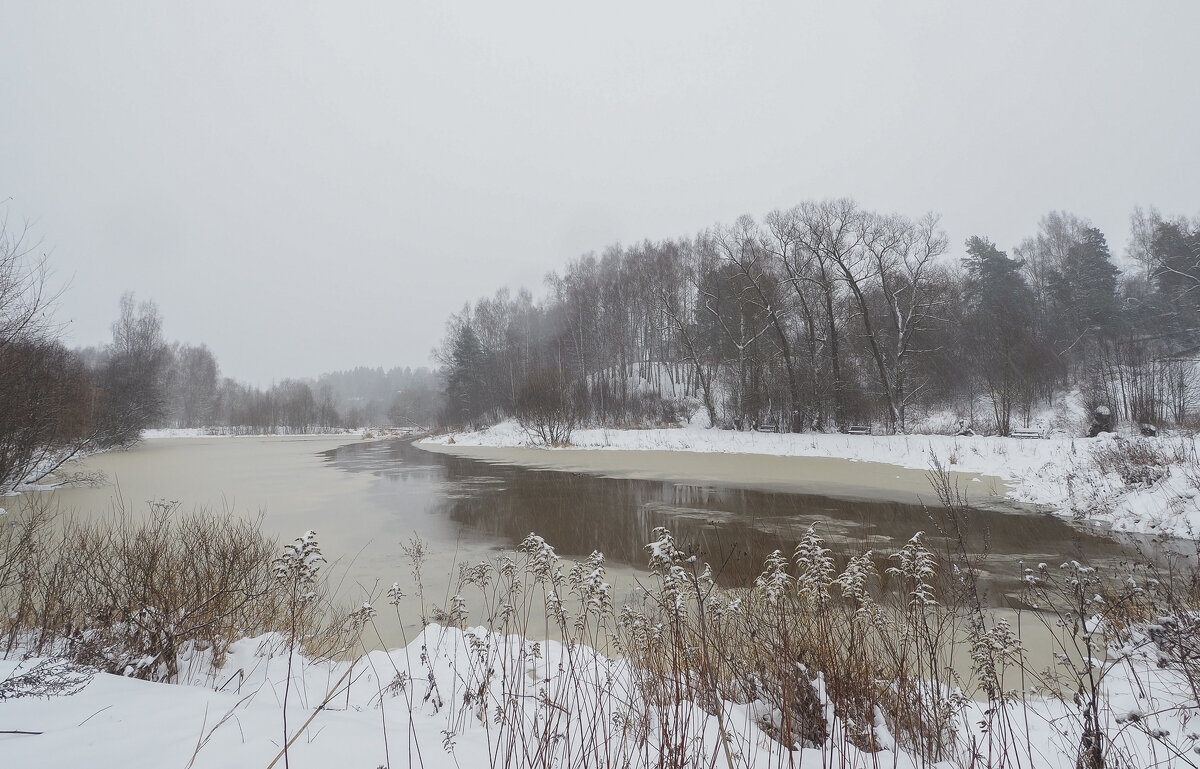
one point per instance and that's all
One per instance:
(673, 385)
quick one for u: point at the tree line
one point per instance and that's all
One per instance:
(56, 402)
(827, 314)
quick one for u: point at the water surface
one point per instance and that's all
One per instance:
(368, 500)
(732, 528)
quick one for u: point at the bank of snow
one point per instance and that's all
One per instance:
(472, 698)
(452, 698)
(159, 433)
(1058, 473)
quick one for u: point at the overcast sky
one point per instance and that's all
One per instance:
(307, 187)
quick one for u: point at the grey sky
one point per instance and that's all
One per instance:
(307, 187)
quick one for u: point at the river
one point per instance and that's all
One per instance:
(368, 500)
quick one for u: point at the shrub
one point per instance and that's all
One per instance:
(1138, 462)
(546, 407)
(128, 594)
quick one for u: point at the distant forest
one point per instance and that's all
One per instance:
(57, 403)
(818, 317)
(826, 315)
(175, 385)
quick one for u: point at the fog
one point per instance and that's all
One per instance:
(312, 187)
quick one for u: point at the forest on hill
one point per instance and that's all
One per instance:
(827, 314)
(817, 317)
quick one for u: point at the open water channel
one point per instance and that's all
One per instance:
(367, 500)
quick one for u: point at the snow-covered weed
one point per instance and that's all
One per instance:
(142, 595)
(1136, 461)
(837, 666)
(823, 660)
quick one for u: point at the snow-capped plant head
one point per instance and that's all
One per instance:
(358, 619)
(542, 560)
(300, 562)
(663, 552)
(917, 566)
(814, 568)
(667, 563)
(855, 582)
(774, 582)
(587, 582)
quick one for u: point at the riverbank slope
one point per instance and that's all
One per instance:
(1143, 485)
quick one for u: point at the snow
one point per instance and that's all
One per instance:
(1056, 473)
(160, 433)
(434, 704)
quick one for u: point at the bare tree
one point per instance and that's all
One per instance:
(734, 323)
(23, 295)
(672, 272)
(832, 235)
(741, 247)
(45, 410)
(546, 407)
(193, 382)
(133, 374)
(885, 262)
(45, 392)
(802, 272)
(902, 255)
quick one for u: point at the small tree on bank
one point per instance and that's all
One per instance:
(133, 374)
(465, 389)
(546, 407)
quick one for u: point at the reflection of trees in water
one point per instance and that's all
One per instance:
(393, 460)
(575, 517)
(733, 529)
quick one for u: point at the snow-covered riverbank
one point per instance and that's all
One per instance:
(160, 433)
(471, 698)
(459, 697)
(1069, 476)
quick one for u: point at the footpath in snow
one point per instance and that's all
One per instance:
(1142, 485)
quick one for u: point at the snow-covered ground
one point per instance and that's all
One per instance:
(471, 698)
(233, 432)
(1058, 473)
(466, 698)
(456, 698)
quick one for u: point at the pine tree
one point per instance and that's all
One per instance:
(466, 391)
(1175, 255)
(1000, 323)
(1086, 286)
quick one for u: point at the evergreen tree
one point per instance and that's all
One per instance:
(1086, 286)
(1000, 322)
(465, 387)
(1175, 260)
